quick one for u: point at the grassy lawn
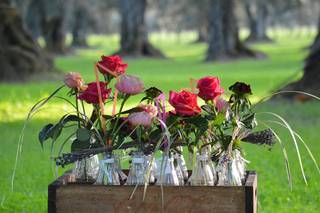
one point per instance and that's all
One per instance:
(185, 60)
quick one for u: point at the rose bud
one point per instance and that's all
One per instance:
(130, 85)
(209, 88)
(143, 118)
(91, 95)
(184, 103)
(113, 64)
(241, 89)
(222, 105)
(74, 80)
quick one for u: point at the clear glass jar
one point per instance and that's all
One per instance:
(181, 168)
(108, 171)
(137, 170)
(240, 164)
(202, 174)
(122, 175)
(150, 167)
(87, 168)
(231, 169)
(167, 173)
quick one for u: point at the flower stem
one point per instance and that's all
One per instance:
(118, 115)
(77, 109)
(83, 109)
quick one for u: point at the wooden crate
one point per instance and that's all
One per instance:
(64, 196)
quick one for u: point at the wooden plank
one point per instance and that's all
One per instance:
(251, 187)
(52, 188)
(96, 199)
(83, 197)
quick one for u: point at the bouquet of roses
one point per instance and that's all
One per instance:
(157, 134)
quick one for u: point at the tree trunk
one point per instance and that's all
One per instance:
(202, 34)
(79, 30)
(134, 38)
(202, 12)
(54, 24)
(20, 56)
(311, 77)
(257, 13)
(33, 18)
(224, 42)
(54, 36)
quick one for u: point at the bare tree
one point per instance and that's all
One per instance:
(20, 56)
(134, 37)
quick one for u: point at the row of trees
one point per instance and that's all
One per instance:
(53, 19)
(20, 54)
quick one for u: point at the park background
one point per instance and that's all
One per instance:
(268, 44)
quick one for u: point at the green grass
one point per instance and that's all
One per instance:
(185, 61)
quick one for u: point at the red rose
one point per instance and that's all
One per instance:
(91, 96)
(185, 103)
(112, 63)
(209, 88)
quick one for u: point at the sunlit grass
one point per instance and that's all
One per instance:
(184, 61)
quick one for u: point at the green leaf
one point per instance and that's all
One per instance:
(78, 145)
(219, 119)
(199, 122)
(145, 98)
(70, 118)
(250, 121)
(134, 109)
(171, 119)
(50, 131)
(207, 108)
(155, 135)
(43, 134)
(108, 117)
(55, 131)
(83, 134)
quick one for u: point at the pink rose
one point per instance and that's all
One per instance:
(145, 117)
(130, 85)
(112, 63)
(74, 80)
(91, 96)
(140, 118)
(185, 103)
(209, 88)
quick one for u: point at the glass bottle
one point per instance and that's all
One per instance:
(202, 174)
(137, 170)
(231, 169)
(87, 168)
(181, 169)
(240, 164)
(182, 163)
(123, 176)
(150, 167)
(167, 173)
(108, 171)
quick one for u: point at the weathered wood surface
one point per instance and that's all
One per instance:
(76, 197)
